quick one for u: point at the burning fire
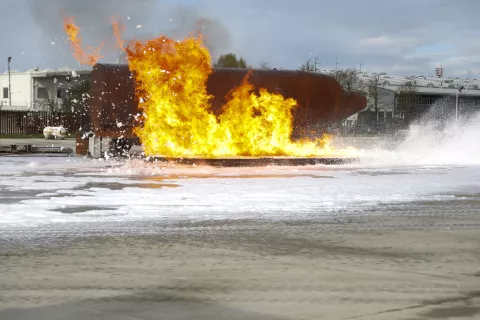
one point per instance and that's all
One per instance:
(118, 28)
(177, 120)
(73, 33)
(171, 86)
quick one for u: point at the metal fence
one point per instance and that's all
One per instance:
(33, 122)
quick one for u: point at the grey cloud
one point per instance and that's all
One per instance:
(392, 36)
(285, 32)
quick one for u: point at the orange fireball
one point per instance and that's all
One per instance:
(73, 33)
(118, 29)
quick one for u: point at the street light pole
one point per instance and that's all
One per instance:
(456, 109)
(9, 83)
(456, 104)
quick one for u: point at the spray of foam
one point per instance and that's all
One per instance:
(438, 138)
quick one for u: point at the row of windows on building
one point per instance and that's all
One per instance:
(427, 101)
(416, 100)
(42, 93)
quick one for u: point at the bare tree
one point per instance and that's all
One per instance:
(351, 79)
(361, 85)
(338, 75)
(311, 65)
(375, 94)
(265, 66)
(347, 78)
(407, 100)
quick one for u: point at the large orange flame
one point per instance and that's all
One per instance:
(177, 120)
(74, 36)
(171, 86)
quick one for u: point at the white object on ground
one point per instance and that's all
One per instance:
(55, 132)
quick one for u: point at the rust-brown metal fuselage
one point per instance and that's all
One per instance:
(321, 100)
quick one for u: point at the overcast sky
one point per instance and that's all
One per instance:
(399, 37)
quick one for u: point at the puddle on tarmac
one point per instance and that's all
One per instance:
(115, 186)
(240, 176)
(82, 209)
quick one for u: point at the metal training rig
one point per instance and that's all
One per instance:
(25, 149)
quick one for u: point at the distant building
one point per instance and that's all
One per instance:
(391, 115)
(364, 119)
(38, 90)
(444, 98)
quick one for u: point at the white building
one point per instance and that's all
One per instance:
(38, 90)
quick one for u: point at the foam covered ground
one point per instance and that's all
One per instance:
(39, 191)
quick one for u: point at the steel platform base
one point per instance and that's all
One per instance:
(254, 161)
(29, 149)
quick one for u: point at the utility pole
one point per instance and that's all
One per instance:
(316, 63)
(9, 83)
(361, 65)
(336, 64)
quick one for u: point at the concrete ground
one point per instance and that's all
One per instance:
(411, 262)
(392, 265)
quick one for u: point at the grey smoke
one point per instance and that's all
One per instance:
(94, 19)
(187, 20)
